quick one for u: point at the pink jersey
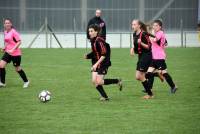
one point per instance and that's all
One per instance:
(158, 47)
(11, 38)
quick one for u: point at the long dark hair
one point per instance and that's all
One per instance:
(143, 27)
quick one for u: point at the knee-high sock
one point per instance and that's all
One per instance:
(23, 75)
(101, 91)
(110, 81)
(147, 88)
(2, 75)
(169, 80)
(150, 77)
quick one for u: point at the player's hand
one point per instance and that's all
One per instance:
(153, 39)
(85, 56)
(94, 67)
(139, 41)
(132, 52)
(10, 51)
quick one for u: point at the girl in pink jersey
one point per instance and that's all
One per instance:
(12, 53)
(159, 56)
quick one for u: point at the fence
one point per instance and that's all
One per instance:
(116, 40)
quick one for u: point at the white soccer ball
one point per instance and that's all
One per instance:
(44, 96)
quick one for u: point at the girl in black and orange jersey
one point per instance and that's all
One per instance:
(100, 57)
(142, 47)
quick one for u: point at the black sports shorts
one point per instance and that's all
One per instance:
(15, 59)
(103, 70)
(159, 64)
(144, 62)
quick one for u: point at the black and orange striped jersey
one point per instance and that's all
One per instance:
(100, 48)
(144, 36)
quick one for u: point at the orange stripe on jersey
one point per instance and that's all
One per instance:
(148, 40)
(103, 48)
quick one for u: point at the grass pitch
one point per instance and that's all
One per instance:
(75, 108)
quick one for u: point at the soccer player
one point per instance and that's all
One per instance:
(12, 53)
(142, 47)
(100, 57)
(98, 21)
(159, 56)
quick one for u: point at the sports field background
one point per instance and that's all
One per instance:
(75, 108)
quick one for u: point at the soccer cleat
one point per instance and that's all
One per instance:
(2, 84)
(26, 84)
(147, 97)
(120, 85)
(104, 99)
(173, 90)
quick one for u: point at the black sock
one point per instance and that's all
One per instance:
(150, 77)
(147, 88)
(101, 91)
(23, 75)
(110, 81)
(2, 75)
(169, 80)
(151, 80)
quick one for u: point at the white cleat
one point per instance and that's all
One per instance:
(104, 99)
(2, 84)
(26, 84)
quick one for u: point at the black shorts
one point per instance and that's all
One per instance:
(144, 62)
(102, 70)
(159, 64)
(15, 59)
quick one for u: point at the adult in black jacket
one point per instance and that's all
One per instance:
(98, 21)
(100, 56)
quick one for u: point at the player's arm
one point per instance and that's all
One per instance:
(132, 53)
(94, 67)
(100, 60)
(149, 34)
(17, 45)
(145, 46)
(89, 55)
(17, 40)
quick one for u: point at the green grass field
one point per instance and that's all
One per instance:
(75, 108)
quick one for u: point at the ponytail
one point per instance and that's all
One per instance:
(143, 27)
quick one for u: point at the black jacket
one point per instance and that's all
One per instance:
(101, 23)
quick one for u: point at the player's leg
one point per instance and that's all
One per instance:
(163, 68)
(113, 81)
(110, 81)
(141, 77)
(150, 76)
(96, 80)
(142, 66)
(157, 73)
(169, 80)
(4, 61)
(16, 63)
(2, 73)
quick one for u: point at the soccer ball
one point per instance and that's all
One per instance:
(44, 96)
